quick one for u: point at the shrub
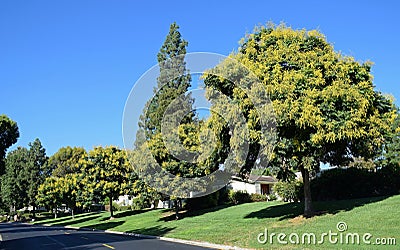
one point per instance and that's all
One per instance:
(115, 206)
(208, 201)
(352, 183)
(289, 191)
(219, 197)
(239, 197)
(258, 197)
(140, 202)
(272, 197)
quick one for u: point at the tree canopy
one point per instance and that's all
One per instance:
(325, 104)
(106, 172)
(9, 134)
(13, 185)
(65, 161)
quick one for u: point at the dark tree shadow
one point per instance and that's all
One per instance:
(126, 213)
(131, 212)
(75, 221)
(155, 230)
(191, 213)
(292, 210)
(62, 218)
(105, 225)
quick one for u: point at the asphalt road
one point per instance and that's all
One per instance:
(21, 236)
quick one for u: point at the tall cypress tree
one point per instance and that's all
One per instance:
(172, 82)
(14, 185)
(33, 172)
(169, 102)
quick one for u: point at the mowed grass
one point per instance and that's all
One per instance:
(240, 225)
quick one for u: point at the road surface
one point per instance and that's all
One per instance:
(21, 236)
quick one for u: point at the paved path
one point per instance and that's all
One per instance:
(21, 236)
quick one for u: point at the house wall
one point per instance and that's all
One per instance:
(124, 200)
(238, 185)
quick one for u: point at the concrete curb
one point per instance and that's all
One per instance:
(144, 236)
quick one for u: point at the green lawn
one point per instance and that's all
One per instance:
(240, 225)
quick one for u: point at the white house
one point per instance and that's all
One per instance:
(254, 184)
(124, 200)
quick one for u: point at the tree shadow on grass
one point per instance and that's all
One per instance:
(155, 230)
(76, 221)
(191, 213)
(105, 225)
(126, 213)
(130, 212)
(63, 218)
(292, 210)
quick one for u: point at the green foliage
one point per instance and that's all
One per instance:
(325, 104)
(140, 203)
(172, 82)
(13, 185)
(392, 146)
(105, 172)
(340, 184)
(289, 191)
(180, 130)
(272, 197)
(362, 163)
(9, 134)
(65, 161)
(23, 175)
(145, 195)
(258, 197)
(239, 197)
(214, 199)
(33, 173)
(81, 179)
(49, 194)
(117, 207)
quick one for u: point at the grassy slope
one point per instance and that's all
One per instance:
(240, 225)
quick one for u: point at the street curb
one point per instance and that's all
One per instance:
(144, 236)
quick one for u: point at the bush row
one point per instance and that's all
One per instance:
(351, 183)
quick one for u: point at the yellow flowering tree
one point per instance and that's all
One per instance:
(106, 172)
(325, 104)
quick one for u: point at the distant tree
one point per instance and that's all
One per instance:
(33, 171)
(49, 194)
(65, 161)
(9, 134)
(69, 186)
(106, 172)
(391, 156)
(13, 185)
(362, 163)
(325, 104)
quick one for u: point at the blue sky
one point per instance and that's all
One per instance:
(67, 67)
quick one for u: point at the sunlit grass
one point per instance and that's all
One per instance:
(240, 225)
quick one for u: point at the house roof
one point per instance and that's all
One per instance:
(256, 178)
(262, 178)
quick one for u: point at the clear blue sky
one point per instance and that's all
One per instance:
(67, 67)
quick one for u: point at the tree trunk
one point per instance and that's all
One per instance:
(55, 213)
(177, 207)
(308, 210)
(155, 203)
(34, 212)
(111, 208)
(72, 213)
